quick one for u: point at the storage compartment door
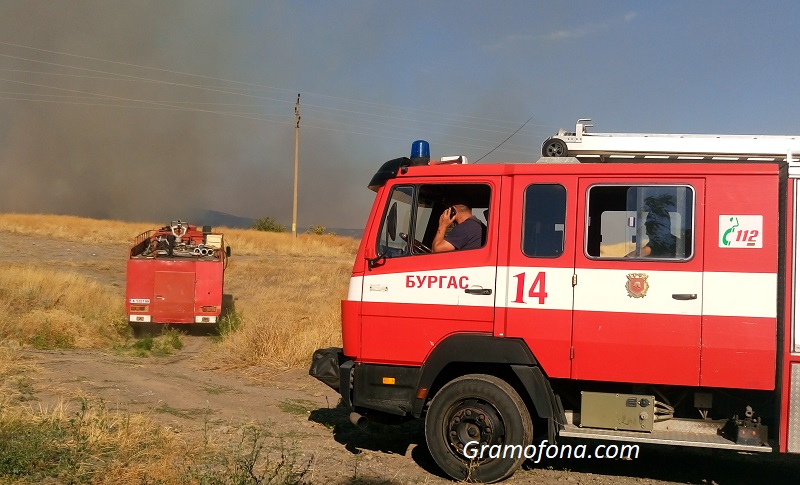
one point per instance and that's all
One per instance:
(174, 297)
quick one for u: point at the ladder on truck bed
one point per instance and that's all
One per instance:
(613, 146)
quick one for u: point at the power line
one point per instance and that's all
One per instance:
(313, 107)
(171, 106)
(509, 137)
(394, 124)
(138, 78)
(138, 66)
(153, 103)
(249, 84)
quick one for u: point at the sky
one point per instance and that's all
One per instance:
(152, 111)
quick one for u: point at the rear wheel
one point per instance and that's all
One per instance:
(554, 148)
(137, 329)
(477, 413)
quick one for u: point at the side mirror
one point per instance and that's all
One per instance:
(228, 251)
(376, 261)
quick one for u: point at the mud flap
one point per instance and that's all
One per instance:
(548, 405)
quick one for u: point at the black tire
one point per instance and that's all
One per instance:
(137, 329)
(554, 148)
(479, 408)
(228, 306)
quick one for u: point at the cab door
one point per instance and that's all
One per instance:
(537, 279)
(411, 298)
(639, 281)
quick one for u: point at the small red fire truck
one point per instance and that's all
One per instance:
(175, 275)
(648, 297)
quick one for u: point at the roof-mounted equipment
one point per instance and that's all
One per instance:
(653, 146)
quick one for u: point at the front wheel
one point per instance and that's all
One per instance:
(470, 424)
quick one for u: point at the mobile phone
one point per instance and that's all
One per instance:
(452, 212)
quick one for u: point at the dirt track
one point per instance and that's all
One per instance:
(181, 391)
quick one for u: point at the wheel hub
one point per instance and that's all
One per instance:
(473, 420)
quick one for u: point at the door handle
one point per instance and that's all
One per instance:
(478, 291)
(684, 296)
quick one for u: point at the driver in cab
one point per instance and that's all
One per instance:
(467, 233)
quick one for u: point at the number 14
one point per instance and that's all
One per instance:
(535, 291)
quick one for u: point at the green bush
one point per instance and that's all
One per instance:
(229, 324)
(49, 448)
(157, 346)
(267, 224)
(319, 230)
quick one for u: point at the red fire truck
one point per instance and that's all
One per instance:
(175, 275)
(648, 297)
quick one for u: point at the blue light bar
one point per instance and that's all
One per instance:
(420, 152)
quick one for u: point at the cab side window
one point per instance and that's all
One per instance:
(640, 222)
(543, 220)
(396, 223)
(411, 216)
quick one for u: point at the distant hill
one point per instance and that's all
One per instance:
(354, 233)
(206, 217)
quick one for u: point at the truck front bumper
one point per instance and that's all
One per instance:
(369, 388)
(331, 367)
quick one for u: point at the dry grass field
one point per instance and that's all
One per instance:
(286, 290)
(287, 296)
(62, 287)
(82, 401)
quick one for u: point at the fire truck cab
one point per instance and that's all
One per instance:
(640, 300)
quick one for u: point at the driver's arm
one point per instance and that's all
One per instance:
(439, 244)
(643, 252)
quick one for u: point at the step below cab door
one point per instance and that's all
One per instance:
(639, 281)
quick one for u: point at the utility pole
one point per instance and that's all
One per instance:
(296, 162)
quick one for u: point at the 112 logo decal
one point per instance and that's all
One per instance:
(737, 231)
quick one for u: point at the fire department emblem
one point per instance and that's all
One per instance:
(637, 285)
